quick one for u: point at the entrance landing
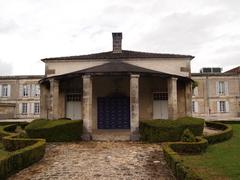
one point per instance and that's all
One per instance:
(111, 135)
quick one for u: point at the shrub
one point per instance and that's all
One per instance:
(188, 136)
(23, 152)
(169, 130)
(55, 130)
(225, 133)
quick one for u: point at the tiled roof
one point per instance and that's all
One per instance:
(234, 70)
(124, 55)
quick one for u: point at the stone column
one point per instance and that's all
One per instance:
(87, 107)
(134, 107)
(172, 98)
(43, 101)
(188, 96)
(54, 98)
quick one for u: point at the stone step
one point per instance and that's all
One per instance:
(111, 135)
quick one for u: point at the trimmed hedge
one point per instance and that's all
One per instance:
(181, 171)
(169, 130)
(23, 152)
(55, 130)
(190, 147)
(225, 134)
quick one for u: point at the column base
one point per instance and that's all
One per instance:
(86, 137)
(135, 136)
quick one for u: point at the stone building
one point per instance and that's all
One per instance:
(217, 95)
(19, 97)
(116, 89)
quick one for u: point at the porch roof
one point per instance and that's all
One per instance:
(115, 68)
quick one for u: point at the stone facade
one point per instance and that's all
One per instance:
(149, 81)
(19, 97)
(217, 95)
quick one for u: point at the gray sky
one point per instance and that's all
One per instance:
(34, 29)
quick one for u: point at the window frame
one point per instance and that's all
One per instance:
(24, 108)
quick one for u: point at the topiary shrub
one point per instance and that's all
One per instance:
(55, 130)
(169, 130)
(188, 136)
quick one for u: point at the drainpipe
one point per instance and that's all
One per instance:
(208, 100)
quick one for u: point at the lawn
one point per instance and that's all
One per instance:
(221, 161)
(2, 152)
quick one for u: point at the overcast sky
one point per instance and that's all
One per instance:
(34, 29)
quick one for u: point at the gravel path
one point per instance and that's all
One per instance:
(99, 160)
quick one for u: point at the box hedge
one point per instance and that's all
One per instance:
(169, 130)
(223, 135)
(55, 130)
(23, 152)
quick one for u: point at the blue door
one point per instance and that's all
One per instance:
(113, 112)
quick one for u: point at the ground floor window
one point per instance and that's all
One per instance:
(36, 108)
(222, 106)
(24, 108)
(194, 106)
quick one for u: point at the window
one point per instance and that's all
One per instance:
(24, 108)
(222, 106)
(25, 90)
(5, 90)
(221, 88)
(194, 106)
(36, 108)
(195, 91)
(37, 90)
(160, 96)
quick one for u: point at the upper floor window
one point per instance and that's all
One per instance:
(5, 90)
(195, 91)
(221, 88)
(35, 90)
(26, 90)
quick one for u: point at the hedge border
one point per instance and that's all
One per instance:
(174, 161)
(23, 151)
(225, 134)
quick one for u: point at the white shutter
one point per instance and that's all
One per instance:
(32, 108)
(196, 106)
(196, 91)
(0, 90)
(226, 87)
(217, 88)
(218, 106)
(20, 90)
(9, 90)
(33, 92)
(29, 89)
(20, 108)
(227, 106)
(28, 108)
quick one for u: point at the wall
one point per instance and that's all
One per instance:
(171, 66)
(207, 97)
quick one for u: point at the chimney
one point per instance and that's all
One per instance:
(117, 42)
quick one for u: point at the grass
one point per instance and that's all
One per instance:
(221, 161)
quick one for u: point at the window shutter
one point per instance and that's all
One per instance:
(196, 106)
(227, 106)
(196, 91)
(20, 90)
(20, 108)
(28, 108)
(0, 90)
(226, 87)
(29, 89)
(33, 92)
(32, 108)
(218, 106)
(217, 88)
(9, 90)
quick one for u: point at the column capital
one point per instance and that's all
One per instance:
(173, 78)
(86, 76)
(134, 75)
